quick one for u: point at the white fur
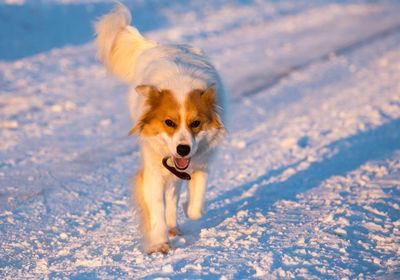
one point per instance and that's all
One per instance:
(118, 44)
(180, 69)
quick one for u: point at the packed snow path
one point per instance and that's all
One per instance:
(307, 185)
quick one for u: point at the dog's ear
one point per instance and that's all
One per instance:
(210, 98)
(148, 91)
(152, 95)
(209, 95)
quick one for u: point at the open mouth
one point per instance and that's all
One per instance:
(181, 163)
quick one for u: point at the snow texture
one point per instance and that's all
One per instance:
(306, 185)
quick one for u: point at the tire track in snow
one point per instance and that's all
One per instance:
(350, 153)
(269, 82)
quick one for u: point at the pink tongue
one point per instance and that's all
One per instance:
(181, 163)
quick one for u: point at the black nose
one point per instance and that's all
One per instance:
(183, 150)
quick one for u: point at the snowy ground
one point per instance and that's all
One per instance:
(306, 186)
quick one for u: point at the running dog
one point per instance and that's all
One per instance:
(175, 103)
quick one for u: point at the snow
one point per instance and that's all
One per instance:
(306, 185)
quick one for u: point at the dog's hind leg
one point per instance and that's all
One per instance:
(171, 200)
(197, 190)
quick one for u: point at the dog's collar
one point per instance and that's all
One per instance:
(179, 174)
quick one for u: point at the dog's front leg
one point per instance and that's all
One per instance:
(171, 199)
(156, 234)
(196, 198)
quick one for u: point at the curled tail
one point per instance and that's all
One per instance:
(118, 44)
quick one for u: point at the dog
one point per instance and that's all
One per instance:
(175, 101)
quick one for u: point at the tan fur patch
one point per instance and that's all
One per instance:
(162, 106)
(201, 106)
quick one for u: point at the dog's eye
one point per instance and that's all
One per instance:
(195, 124)
(170, 123)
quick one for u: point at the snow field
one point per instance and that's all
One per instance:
(306, 185)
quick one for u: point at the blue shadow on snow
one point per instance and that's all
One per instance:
(352, 152)
(31, 29)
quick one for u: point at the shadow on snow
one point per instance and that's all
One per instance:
(352, 152)
(31, 29)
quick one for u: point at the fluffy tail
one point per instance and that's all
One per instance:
(118, 44)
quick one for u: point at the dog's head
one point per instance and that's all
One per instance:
(179, 128)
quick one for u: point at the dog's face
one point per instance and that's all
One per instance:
(178, 128)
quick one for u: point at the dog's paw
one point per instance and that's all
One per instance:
(193, 213)
(161, 248)
(175, 231)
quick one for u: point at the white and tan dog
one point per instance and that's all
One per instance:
(175, 103)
